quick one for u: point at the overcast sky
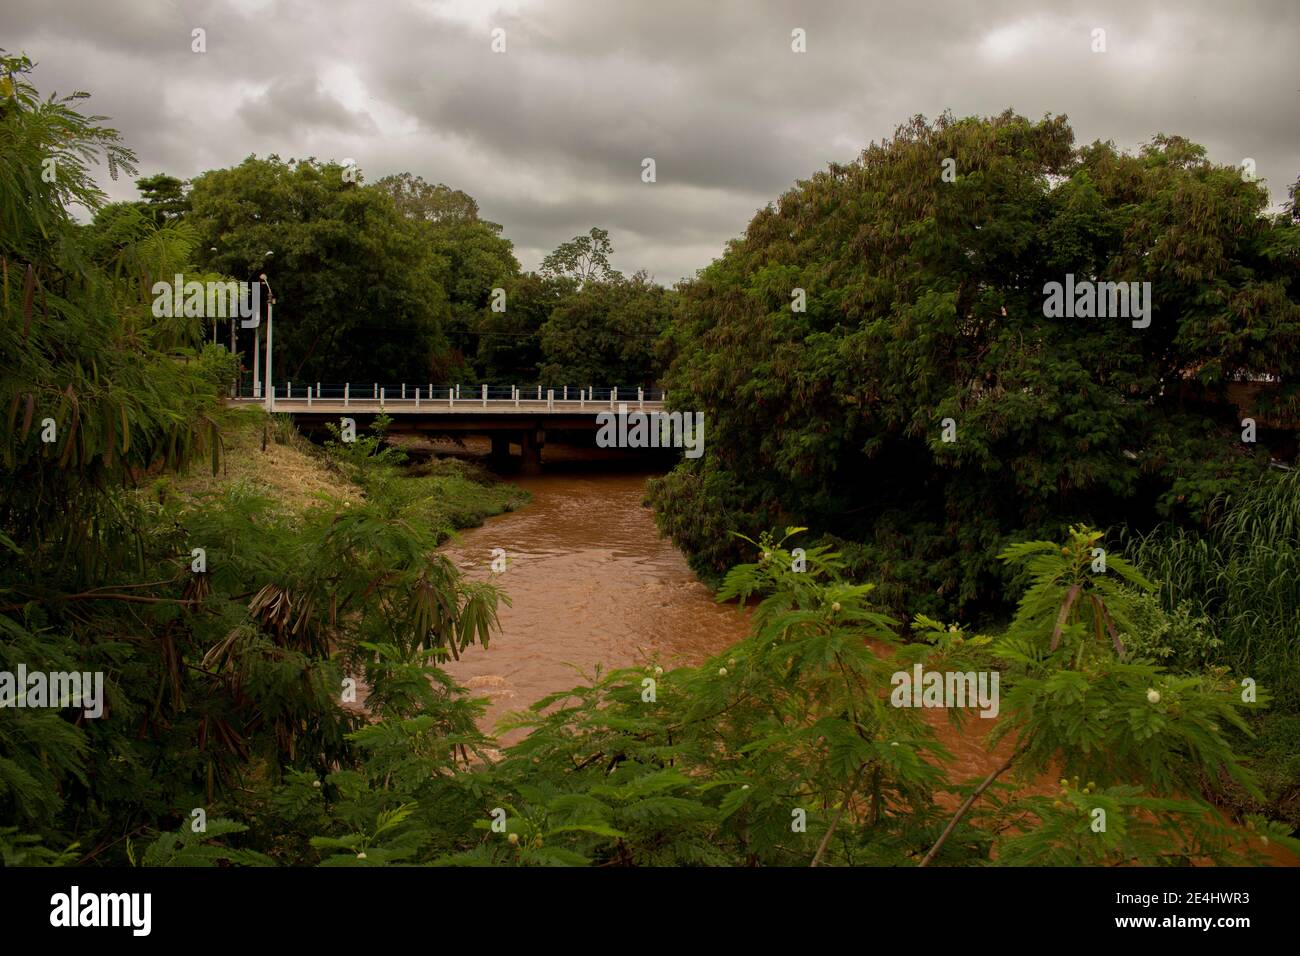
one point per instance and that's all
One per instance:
(550, 135)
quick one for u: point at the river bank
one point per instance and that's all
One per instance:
(590, 583)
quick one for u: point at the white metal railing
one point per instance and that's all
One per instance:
(490, 397)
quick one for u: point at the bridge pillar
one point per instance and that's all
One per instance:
(500, 448)
(530, 446)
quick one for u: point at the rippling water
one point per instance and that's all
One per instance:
(591, 583)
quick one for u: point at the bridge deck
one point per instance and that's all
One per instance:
(462, 406)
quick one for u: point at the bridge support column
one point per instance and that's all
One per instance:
(500, 448)
(530, 446)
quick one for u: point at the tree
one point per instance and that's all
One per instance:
(417, 199)
(605, 333)
(163, 197)
(48, 136)
(471, 258)
(357, 296)
(582, 258)
(509, 342)
(878, 309)
(216, 674)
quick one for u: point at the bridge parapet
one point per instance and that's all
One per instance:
(409, 399)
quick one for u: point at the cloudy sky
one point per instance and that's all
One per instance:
(550, 135)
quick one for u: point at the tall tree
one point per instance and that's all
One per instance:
(510, 341)
(582, 258)
(875, 358)
(606, 333)
(163, 197)
(355, 281)
(427, 202)
(471, 257)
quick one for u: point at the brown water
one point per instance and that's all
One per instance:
(591, 584)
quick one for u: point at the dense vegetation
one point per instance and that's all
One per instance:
(874, 361)
(924, 302)
(397, 281)
(231, 733)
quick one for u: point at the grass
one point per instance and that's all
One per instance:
(453, 494)
(267, 454)
(1244, 573)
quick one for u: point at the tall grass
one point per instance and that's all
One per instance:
(1244, 573)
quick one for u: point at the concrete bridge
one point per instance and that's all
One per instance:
(507, 414)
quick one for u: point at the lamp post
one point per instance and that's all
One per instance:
(270, 341)
(257, 355)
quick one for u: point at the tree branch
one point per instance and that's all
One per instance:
(961, 811)
(839, 814)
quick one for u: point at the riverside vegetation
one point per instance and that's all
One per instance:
(224, 680)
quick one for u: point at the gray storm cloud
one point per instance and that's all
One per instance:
(549, 136)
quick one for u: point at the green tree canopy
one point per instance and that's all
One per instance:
(471, 258)
(163, 197)
(923, 297)
(509, 342)
(605, 333)
(582, 258)
(357, 296)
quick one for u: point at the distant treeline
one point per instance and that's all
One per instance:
(399, 280)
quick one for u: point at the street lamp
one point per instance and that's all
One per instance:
(270, 302)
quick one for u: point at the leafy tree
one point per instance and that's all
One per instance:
(471, 256)
(49, 135)
(1077, 701)
(876, 300)
(163, 197)
(605, 333)
(417, 199)
(357, 296)
(214, 674)
(510, 342)
(582, 258)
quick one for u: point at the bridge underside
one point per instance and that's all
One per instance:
(526, 431)
(507, 422)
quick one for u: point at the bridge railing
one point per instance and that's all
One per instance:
(529, 396)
